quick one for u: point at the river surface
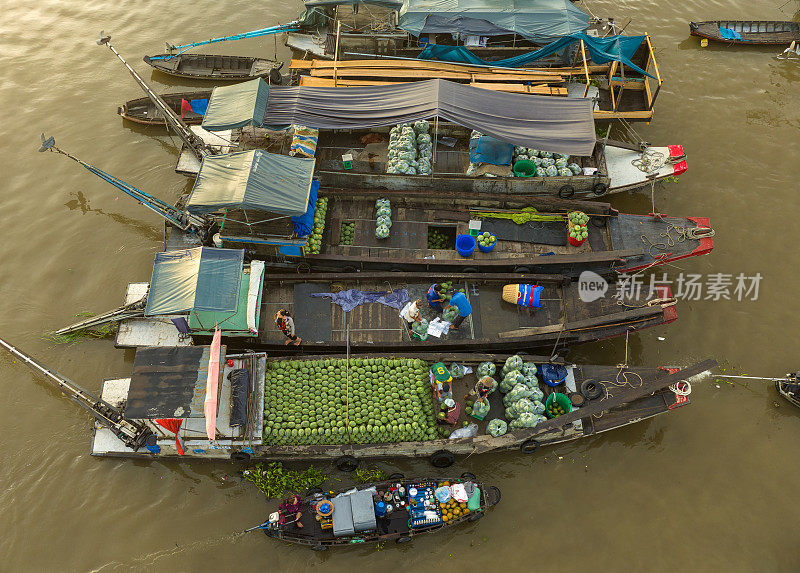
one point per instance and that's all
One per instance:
(705, 488)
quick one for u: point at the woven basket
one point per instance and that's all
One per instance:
(511, 293)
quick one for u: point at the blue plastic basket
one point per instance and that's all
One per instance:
(465, 245)
(490, 247)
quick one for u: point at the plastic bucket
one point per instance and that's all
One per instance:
(524, 168)
(465, 245)
(490, 247)
(561, 399)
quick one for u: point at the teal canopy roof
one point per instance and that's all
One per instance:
(536, 20)
(229, 106)
(253, 180)
(202, 278)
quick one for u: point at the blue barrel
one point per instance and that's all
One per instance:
(465, 245)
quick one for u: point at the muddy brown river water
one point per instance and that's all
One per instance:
(705, 488)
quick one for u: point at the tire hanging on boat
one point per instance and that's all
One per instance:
(442, 459)
(347, 464)
(566, 191)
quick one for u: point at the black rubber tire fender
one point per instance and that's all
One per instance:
(403, 539)
(529, 446)
(522, 269)
(312, 490)
(475, 516)
(319, 548)
(591, 390)
(346, 464)
(497, 495)
(469, 270)
(240, 457)
(396, 476)
(600, 189)
(566, 191)
(349, 269)
(442, 459)
(275, 77)
(468, 475)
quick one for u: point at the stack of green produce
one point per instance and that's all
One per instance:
(522, 400)
(486, 239)
(547, 164)
(347, 233)
(439, 240)
(383, 218)
(577, 225)
(315, 239)
(390, 400)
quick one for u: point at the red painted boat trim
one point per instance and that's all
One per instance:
(706, 246)
(679, 168)
(671, 312)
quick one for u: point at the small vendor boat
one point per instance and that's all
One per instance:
(789, 388)
(142, 110)
(216, 67)
(755, 32)
(397, 510)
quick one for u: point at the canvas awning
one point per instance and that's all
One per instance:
(253, 180)
(536, 20)
(562, 125)
(394, 4)
(233, 104)
(202, 278)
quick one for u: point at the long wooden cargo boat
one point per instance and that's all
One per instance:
(298, 408)
(611, 167)
(744, 32)
(246, 300)
(398, 510)
(216, 67)
(424, 228)
(142, 110)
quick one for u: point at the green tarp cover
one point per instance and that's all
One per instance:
(202, 278)
(536, 20)
(253, 180)
(230, 108)
(231, 324)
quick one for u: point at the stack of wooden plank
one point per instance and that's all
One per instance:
(348, 73)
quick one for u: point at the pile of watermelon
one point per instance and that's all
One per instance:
(315, 239)
(305, 402)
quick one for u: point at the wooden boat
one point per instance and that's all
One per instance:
(617, 242)
(143, 111)
(789, 388)
(216, 67)
(363, 517)
(561, 320)
(612, 164)
(164, 381)
(758, 32)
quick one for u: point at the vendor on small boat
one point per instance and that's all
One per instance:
(411, 313)
(435, 298)
(460, 301)
(285, 323)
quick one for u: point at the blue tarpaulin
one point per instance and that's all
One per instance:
(199, 106)
(350, 299)
(603, 50)
(487, 149)
(730, 34)
(536, 20)
(302, 225)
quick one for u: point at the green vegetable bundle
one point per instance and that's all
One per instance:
(347, 233)
(486, 239)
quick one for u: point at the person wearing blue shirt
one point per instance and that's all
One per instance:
(435, 298)
(460, 301)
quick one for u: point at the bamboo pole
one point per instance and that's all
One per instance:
(585, 69)
(336, 51)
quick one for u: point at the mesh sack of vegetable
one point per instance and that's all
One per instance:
(496, 427)
(510, 380)
(512, 363)
(517, 392)
(420, 329)
(456, 370)
(486, 369)
(533, 386)
(450, 314)
(480, 408)
(516, 408)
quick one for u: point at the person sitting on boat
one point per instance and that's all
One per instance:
(435, 298)
(460, 301)
(411, 314)
(291, 508)
(285, 323)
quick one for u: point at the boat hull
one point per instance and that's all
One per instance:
(753, 32)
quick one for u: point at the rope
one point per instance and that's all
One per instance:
(681, 388)
(649, 161)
